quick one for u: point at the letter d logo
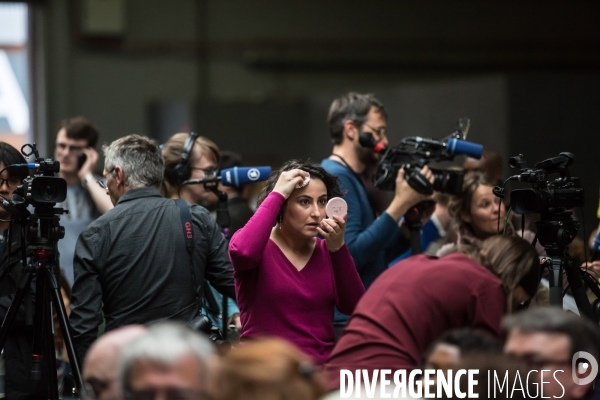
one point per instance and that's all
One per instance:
(591, 361)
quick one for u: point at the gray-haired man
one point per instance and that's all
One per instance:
(132, 262)
(169, 361)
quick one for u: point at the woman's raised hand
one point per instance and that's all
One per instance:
(332, 230)
(288, 180)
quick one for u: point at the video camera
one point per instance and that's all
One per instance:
(545, 197)
(415, 152)
(43, 191)
(43, 187)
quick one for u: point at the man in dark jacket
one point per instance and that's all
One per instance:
(132, 262)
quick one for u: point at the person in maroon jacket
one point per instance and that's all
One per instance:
(417, 300)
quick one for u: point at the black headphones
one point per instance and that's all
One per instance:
(182, 170)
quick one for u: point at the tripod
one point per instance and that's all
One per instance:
(555, 232)
(47, 300)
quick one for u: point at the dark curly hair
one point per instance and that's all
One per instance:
(332, 183)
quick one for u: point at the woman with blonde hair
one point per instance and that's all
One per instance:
(475, 212)
(266, 369)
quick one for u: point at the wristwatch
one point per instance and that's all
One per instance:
(89, 177)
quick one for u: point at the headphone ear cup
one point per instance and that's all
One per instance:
(182, 170)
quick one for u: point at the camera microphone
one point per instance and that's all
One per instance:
(236, 176)
(455, 147)
(366, 139)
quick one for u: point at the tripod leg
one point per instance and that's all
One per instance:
(48, 343)
(43, 368)
(575, 282)
(555, 280)
(22, 288)
(66, 329)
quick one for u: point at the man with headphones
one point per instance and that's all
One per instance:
(190, 157)
(147, 258)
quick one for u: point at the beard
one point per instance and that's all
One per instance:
(367, 156)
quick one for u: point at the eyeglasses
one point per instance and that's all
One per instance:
(73, 149)
(207, 173)
(379, 131)
(10, 182)
(102, 181)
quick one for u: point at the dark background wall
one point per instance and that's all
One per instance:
(258, 76)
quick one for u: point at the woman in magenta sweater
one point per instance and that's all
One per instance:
(287, 280)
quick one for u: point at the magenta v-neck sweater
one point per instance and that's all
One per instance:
(275, 299)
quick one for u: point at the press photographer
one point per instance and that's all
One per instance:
(17, 368)
(132, 263)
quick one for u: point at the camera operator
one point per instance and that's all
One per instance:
(132, 262)
(372, 242)
(190, 156)
(17, 351)
(75, 150)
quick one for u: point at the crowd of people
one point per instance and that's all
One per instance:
(310, 294)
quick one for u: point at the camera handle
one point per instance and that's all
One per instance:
(413, 222)
(47, 294)
(417, 181)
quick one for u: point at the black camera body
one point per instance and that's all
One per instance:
(201, 323)
(43, 189)
(446, 180)
(546, 197)
(415, 152)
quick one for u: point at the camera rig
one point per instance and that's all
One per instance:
(40, 232)
(557, 227)
(412, 154)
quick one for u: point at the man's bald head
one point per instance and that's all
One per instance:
(100, 369)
